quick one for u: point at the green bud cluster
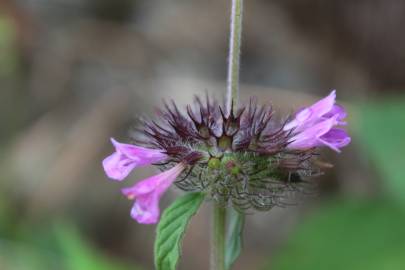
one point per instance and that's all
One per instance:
(244, 180)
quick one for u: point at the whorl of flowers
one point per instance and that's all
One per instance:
(245, 158)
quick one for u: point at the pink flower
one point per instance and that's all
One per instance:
(126, 157)
(314, 126)
(147, 193)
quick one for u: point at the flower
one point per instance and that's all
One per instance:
(314, 126)
(127, 157)
(243, 157)
(147, 193)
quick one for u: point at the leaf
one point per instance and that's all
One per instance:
(171, 228)
(234, 239)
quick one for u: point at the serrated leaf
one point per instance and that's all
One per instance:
(234, 239)
(171, 228)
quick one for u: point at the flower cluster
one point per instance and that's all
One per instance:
(244, 157)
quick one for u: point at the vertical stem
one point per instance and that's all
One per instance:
(218, 237)
(234, 54)
(219, 212)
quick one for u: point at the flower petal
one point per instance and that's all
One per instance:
(145, 155)
(116, 167)
(335, 139)
(339, 111)
(127, 157)
(308, 138)
(300, 117)
(324, 105)
(146, 209)
(309, 116)
(147, 194)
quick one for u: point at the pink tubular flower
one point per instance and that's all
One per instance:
(314, 126)
(126, 157)
(147, 193)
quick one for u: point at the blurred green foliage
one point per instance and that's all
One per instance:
(8, 49)
(381, 133)
(78, 255)
(60, 247)
(348, 235)
(66, 250)
(13, 99)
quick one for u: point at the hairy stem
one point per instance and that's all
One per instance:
(218, 237)
(234, 54)
(219, 212)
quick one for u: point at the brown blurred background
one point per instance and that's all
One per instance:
(74, 73)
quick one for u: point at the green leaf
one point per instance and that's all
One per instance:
(234, 241)
(171, 228)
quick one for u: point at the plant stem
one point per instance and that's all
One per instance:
(218, 237)
(234, 54)
(219, 212)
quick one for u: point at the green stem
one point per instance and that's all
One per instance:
(234, 54)
(218, 237)
(219, 212)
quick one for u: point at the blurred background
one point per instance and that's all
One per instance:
(74, 73)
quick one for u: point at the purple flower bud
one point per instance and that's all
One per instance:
(126, 157)
(148, 192)
(314, 126)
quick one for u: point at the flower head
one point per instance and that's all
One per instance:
(245, 157)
